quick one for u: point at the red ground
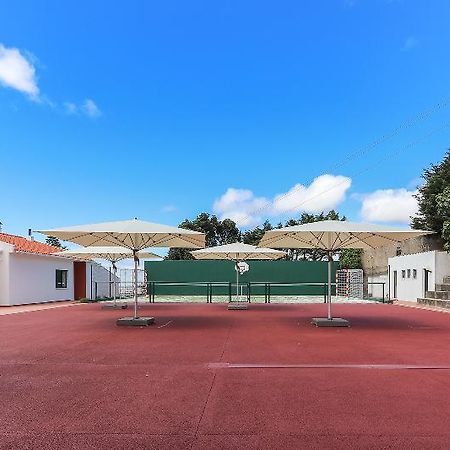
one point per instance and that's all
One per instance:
(71, 379)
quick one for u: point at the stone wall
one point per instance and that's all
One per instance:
(375, 262)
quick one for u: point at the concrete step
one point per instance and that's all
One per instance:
(443, 287)
(434, 302)
(443, 295)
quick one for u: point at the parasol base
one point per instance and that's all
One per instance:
(334, 322)
(135, 321)
(115, 306)
(237, 306)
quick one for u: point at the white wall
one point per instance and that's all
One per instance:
(410, 289)
(442, 266)
(32, 278)
(101, 276)
(376, 290)
(5, 250)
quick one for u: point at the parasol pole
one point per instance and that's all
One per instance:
(237, 280)
(330, 262)
(136, 262)
(114, 281)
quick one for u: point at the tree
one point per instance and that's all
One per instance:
(350, 258)
(434, 199)
(443, 209)
(252, 237)
(225, 232)
(51, 240)
(218, 232)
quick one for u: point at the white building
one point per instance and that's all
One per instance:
(411, 276)
(31, 272)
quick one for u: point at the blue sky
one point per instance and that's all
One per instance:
(162, 110)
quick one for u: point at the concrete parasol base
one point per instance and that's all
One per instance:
(115, 306)
(135, 321)
(334, 322)
(237, 306)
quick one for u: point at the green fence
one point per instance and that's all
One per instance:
(314, 272)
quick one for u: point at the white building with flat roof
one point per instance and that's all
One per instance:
(412, 276)
(32, 272)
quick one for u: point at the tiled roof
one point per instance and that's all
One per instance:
(22, 244)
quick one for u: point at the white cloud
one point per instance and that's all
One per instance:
(240, 205)
(18, 72)
(70, 108)
(389, 205)
(323, 194)
(90, 108)
(410, 43)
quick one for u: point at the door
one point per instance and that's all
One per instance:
(395, 284)
(79, 280)
(426, 282)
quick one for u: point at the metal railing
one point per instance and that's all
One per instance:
(266, 289)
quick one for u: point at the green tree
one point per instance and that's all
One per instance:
(252, 237)
(433, 200)
(443, 209)
(51, 240)
(350, 258)
(218, 232)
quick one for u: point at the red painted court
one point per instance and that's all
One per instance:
(206, 378)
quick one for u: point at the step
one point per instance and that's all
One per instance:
(443, 295)
(434, 302)
(443, 287)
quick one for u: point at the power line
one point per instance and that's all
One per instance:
(379, 162)
(408, 123)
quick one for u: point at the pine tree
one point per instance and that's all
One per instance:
(434, 199)
(51, 240)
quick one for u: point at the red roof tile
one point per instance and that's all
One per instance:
(22, 244)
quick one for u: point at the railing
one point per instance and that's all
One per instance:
(247, 289)
(124, 289)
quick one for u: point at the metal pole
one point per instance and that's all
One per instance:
(109, 284)
(136, 262)
(114, 281)
(389, 283)
(330, 262)
(237, 281)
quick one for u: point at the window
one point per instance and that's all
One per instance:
(414, 273)
(409, 273)
(403, 273)
(61, 279)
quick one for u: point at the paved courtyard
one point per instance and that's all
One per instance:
(203, 377)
